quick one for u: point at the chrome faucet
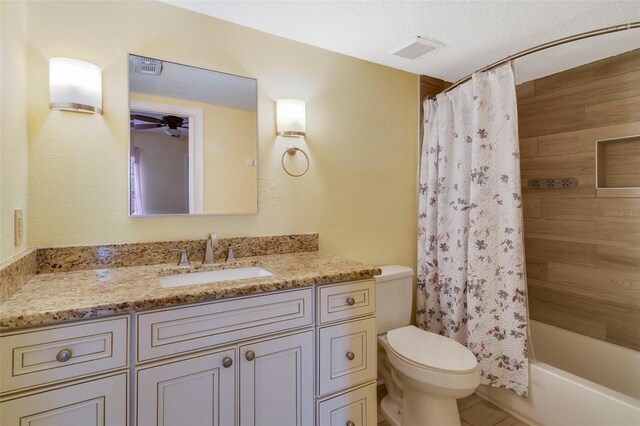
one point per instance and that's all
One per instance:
(183, 257)
(230, 256)
(212, 243)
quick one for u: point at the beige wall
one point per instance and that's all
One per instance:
(13, 122)
(362, 125)
(230, 186)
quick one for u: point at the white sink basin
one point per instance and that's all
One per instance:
(208, 277)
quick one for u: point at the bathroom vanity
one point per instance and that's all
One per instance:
(294, 348)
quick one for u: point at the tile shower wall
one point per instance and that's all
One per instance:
(583, 252)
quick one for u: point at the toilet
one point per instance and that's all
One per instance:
(424, 372)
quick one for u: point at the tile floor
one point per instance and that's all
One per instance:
(474, 411)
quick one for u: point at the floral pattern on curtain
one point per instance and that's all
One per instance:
(471, 271)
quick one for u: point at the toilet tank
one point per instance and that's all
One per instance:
(394, 297)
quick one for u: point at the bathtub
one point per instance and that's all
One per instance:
(575, 380)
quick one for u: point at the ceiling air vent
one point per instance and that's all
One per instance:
(416, 48)
(147, 66)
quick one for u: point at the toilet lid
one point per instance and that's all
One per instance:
(431, 350)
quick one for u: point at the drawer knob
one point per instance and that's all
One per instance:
(64, 355)
(350, 423)
(351, 301)
(227, 362)
(250, 355)
(350, 356)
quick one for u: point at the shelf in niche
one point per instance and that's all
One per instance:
(618, 167)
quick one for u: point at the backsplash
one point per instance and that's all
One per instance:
(16, 271)
(63, 259)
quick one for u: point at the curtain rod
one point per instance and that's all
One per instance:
(544, 46)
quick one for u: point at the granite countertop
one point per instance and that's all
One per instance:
(53, 297)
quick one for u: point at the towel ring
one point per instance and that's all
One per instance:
(292, 151)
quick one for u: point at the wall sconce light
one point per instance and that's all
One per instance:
(291, 119)
(75, 85)
(291, 122)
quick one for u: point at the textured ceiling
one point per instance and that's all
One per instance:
(475, 33)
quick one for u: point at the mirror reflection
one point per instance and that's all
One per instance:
(193, 140)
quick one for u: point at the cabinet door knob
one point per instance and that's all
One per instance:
(351, 301)
(250, 355)
(64, 355)
(350, 356)
(227, 362)
(350, 423)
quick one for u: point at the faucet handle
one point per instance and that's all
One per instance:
(183, 257)
(230, 256)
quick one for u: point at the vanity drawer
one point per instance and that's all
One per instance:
(347, 300)
(180, 330)
(347, 355)
(37, 357)
(357, 407)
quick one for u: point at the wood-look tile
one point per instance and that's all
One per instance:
(511, 421)
(525, 90)
(484, 414)
(620, 64)
(550, 295)
(531, 207)
(620, 233)
(574, 319)
(529, 147)
(561, 251)
(579, 192)
(629, 180)
(607, 113)
(611, 88)
(619, 258)
(591, 208)
(567, 165)
(469, 402)
(624, 329)
(537, 269)
(621, 288)
(582, 140)
(622, 157)
(564, 120)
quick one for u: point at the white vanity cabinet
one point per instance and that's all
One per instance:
(285, 358)
(347, 354)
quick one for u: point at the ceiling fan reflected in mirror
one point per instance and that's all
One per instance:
(171, 124)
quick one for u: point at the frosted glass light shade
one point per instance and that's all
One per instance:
(75, 85)
(291, 118)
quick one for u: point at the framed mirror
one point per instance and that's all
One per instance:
(193, 140)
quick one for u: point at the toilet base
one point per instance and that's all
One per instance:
(421, 409)
(391, 412)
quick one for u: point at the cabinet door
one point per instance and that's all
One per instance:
(195, 391)
(100, 402)
(276, 381)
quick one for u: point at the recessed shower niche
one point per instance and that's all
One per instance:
(618, 167)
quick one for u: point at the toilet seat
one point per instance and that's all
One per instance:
(431, 351)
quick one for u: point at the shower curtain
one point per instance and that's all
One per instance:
(471, 276)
